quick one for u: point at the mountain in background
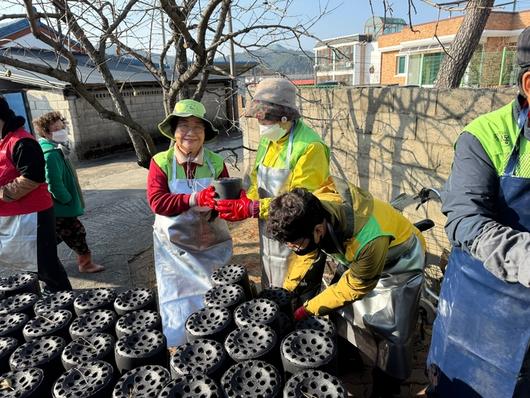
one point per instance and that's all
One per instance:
(277, 58)
(272, 59)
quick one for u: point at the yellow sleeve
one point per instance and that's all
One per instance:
(310, 172)
(252, 191)
(361, 277)
(297, 268)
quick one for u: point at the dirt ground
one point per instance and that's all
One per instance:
(246, 251)
(246, 246)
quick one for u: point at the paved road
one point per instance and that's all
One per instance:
(117, 219)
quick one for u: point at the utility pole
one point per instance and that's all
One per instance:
(233, 81)
(514, 5)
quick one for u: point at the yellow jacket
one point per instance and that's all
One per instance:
(309, 162)
(376, 227)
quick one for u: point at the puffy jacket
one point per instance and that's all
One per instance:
(365, 228)
(62, 181)
(470, 199)
(309, 162)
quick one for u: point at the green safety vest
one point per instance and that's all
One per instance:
(497, 132)
(303, 137)
(164, 160)
(364, 219)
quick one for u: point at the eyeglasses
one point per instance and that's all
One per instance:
(184, 128)
(298, 245)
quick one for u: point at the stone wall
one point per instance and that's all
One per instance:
(92, 135)
(391, 140)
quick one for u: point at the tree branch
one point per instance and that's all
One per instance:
(72, 62)
(36, 14)
(179, 19)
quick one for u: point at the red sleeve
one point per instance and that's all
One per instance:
(224, 173)
(159, 198)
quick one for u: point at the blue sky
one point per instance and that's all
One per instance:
(349, 16)
(345, 17)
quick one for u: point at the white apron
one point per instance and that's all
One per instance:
(18, 243)
(274, 255)
(187, 249)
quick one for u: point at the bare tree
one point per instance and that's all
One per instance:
(180, 54)
(459, 54)
(141, 140)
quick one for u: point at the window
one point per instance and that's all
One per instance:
(324, 60)
(430, 68)
(414, 69)
(423, 68)
(400, 64)
(17, 103)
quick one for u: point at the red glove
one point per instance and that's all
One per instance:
(301, 313)
(235, 209)
(204, 198)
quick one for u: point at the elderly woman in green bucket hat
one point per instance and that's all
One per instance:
(189, 244)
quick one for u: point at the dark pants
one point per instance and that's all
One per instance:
(50, 269)
(70, 231)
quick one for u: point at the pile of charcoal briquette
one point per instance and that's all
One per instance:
(97, 343)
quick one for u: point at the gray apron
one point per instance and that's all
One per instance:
(187, 249)
(382, 323)
(18, 243)
(274, 255)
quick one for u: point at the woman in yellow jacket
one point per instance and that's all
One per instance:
(290, 155)
(378, 280)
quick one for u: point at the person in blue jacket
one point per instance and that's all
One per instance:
(481, 336)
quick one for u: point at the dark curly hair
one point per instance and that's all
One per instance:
(293, 215)
(11, 121)
(42, 124)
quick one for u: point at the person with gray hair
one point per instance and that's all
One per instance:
(481, 336)
(290, 155)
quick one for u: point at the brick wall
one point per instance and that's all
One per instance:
(92, 135)
(388, 69)
(391, 140)
(521, 20)
(449, 26)
(421, 31)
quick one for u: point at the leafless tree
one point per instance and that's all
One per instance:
(177, 41)
(459, 54)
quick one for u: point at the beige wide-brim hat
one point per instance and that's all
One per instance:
(187, 108)
(275, 100)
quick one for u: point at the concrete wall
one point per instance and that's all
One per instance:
(92, 135)
(391, 140)
(96, 136)
(41, 102)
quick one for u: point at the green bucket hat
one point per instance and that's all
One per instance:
(187, 108)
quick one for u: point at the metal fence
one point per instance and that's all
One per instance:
(492, 68)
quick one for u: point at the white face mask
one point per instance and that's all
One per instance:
(273, 132)
(60, 135)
